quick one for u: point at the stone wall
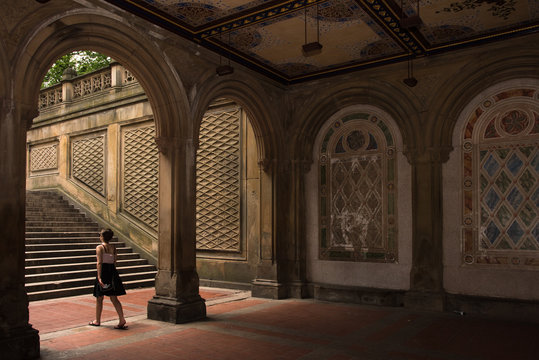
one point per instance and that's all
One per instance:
(95, 141)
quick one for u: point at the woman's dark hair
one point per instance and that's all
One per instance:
(107, 234)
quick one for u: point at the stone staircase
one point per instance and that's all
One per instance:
(60, 251)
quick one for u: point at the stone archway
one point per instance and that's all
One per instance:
(250, 96)
(177, 282)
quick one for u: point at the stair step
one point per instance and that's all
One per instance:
(60, 250)
(70, 252)
(82, 290)
(90, 272)
(52, 268)
(74, 259)
(85, 281)
(65, 240)
(42, 234)
(68, 246)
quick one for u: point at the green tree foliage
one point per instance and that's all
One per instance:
(82, 61)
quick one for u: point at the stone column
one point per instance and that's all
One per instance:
(18, 340)
(268, 282)
(296, 269)
(177, 297)
(426, 277)
(281, 270)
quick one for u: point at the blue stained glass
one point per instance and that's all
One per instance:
(515, 198)
(492, 232)
(515, 232)
(535, 162)
(514, 164)
(491, 165)
(491, 199)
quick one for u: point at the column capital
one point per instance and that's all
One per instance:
(173, 143)
(428, 155)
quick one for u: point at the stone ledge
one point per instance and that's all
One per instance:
(358, 295)
(500, 308)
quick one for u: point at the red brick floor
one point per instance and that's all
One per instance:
(242, 328)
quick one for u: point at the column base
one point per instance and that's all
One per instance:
(20, 344)
(268, 289)
(173, 311)
(300, 290)
(424, 300)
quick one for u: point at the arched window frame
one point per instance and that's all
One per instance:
(358, 248)
(501, 132)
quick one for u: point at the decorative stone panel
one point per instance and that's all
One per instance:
(140, 174)
(357, 177)
(500, 181)
(218, 182)
(88, 161)
(44, 157)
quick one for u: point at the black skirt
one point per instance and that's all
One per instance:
(109, 275)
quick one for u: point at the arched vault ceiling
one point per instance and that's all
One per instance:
(267, 35)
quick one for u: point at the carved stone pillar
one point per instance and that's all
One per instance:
(267, 283)
(177, 297)
(18, 340)
(281, 270)
(296, 269)
(426, 277)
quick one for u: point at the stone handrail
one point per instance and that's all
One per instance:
(78, 87)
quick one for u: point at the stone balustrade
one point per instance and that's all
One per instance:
(75, 88)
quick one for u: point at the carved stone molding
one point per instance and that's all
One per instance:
(432, 155)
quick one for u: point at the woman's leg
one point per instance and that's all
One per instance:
(118, 306)
(98, 310)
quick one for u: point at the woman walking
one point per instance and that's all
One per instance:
(108, 282)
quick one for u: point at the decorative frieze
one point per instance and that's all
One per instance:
(140, 174)
(43, 157)
(88, 161)
(218, 182)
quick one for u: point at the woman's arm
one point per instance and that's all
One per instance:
(99, 255)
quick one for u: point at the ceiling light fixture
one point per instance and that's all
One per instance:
(410, 81)
(312, 48)
(408, 22)
(226, 69)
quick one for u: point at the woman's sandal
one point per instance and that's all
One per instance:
(92, 323)
(121, 327)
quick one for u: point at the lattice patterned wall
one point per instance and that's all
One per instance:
(357, 191)
(88, 162)
(44, 157)
(218, 182)
(500, 184)
(141, 171)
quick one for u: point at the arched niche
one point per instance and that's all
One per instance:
(227, 195)
(490, 197)
(358, 166)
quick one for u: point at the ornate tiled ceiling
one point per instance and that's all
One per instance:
(268, 35)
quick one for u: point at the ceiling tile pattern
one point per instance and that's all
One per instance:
(267, 35)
